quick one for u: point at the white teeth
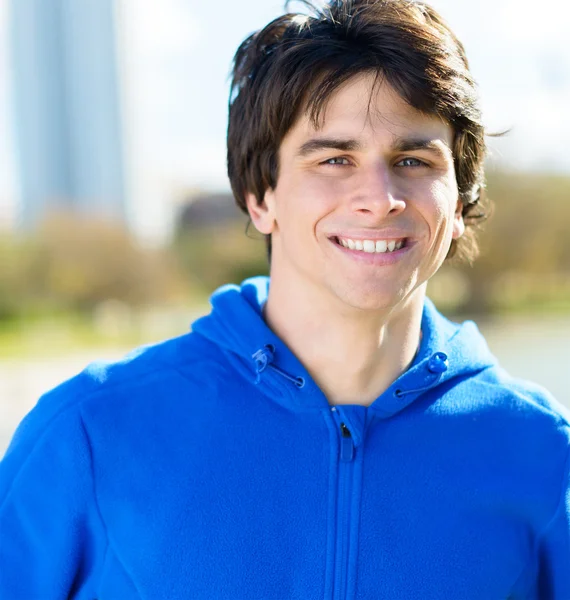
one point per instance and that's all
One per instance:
(370, 246)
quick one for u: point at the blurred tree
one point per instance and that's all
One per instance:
(528, 235)
(212, 245)
(17, 257)
(216, 255)
(75, 263)
(86, 261)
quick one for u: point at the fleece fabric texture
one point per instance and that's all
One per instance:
(211, 466)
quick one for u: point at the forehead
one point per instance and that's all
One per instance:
(365, 106)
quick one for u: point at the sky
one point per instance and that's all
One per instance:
(175, 60)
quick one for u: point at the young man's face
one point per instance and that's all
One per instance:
(378, 175)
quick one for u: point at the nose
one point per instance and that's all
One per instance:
(376, 194)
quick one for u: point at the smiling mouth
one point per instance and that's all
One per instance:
(371, 246)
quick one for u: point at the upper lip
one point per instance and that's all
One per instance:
(371, 235)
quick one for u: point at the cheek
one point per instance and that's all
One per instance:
(443, 197)
(306, 200)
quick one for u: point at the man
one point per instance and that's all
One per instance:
(327, 434)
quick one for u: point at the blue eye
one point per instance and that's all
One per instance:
(411, 162)
(338, 160)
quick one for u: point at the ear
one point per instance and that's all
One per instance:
(262, 214)
(458, 223)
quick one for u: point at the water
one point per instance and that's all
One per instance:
(537, 349)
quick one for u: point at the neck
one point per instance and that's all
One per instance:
(353, 356)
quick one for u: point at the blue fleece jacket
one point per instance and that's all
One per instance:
(211, 466)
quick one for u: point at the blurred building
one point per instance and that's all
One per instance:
(66, 103)
(199, 210)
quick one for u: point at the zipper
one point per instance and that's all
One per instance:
(346, 444)
(343, 512)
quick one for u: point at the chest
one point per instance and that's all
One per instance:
(311, 509)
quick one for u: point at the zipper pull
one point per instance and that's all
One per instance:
(346, 444)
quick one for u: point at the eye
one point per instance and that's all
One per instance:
(337, 160)
(411, 162)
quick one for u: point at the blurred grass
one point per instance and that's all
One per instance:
(58, 336)
(65, 334)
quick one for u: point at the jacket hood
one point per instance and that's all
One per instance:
(235, 324)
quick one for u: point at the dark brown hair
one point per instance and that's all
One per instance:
(297, 62)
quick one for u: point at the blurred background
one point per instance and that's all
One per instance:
(116, 220)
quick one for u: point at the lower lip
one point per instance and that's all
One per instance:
(375, 258)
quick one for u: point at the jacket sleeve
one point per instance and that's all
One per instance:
(45, 508)
(554, 549)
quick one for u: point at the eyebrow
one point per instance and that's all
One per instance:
(317, 144)
(432, 145)
(348, 145)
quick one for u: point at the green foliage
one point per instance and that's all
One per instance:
(216, 255)
(74, 264)
(17, 277)
(525, 246)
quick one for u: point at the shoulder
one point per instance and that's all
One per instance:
(515, 414)
(515, 433)
(518, 396)
(140, 367)
(104, 390)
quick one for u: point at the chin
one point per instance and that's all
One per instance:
(366, 298)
